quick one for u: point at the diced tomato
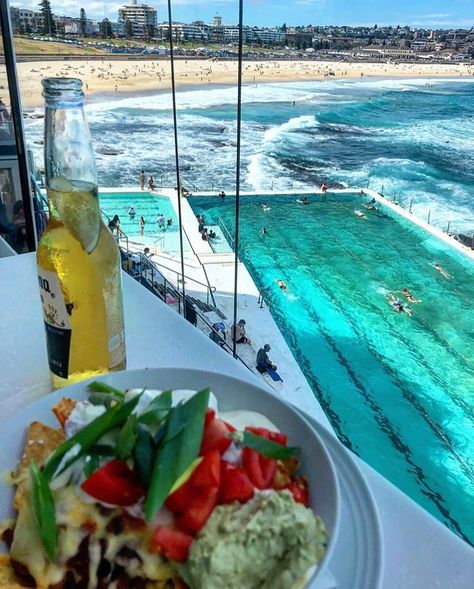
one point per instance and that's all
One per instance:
(208, 471)
(207, 474)
(215, 436)
(174, 544)
(300, 493)
(114, 483)
(235, 484)
(278, 437)
(178, 500)
(260, 469)
(198, 509)
(210, 415)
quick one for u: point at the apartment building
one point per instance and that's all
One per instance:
(141, 16)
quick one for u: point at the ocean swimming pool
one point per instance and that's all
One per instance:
(147, 205)
(398, 390)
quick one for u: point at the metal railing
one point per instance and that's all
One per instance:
(158, 284)
(210, 290)
(227, 234)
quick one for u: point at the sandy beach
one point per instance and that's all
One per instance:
(126, 77)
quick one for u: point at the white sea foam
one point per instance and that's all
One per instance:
(298, 151)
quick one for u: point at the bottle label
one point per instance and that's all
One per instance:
(57, 322)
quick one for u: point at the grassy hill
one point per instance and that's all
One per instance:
(30, 46)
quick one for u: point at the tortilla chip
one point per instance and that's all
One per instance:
(63, 409)
(8, 579)
(40, 441)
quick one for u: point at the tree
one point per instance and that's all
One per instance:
(128, 29)
(21, 30)
(28, 30)
(106, 29)
(283, 27)
(48, 23)
(149, 32)
(82, 23)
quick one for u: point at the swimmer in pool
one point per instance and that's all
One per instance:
(442, 271)
(265, 207)
(303, 201)
(264, 231)
(397, 305)
(281, 285)
(409, 296)
(359, 214)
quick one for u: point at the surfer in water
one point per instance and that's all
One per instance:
(442, 271)
(406, 293)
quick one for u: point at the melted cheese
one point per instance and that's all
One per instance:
(76, 520)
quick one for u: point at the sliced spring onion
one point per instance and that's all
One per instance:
(86, 437)
(43, 510)
(266, 447)
(180, 446)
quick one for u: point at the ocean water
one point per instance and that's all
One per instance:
(413, 139)
(398, 389)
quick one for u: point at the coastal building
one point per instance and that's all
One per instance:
(265, 36)
(141, 16)
(24, 20)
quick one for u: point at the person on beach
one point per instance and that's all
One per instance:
(142, 225)
(142, 180)
(131, 213)
(442, 271)
(151, 183)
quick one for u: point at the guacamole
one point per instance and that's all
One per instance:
(268, 543)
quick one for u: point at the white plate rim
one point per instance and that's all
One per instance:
(375, 535)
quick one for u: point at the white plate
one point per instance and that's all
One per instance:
(232, 394)
(357, 559)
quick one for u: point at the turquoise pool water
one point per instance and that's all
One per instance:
(398, 390)
(146, 205)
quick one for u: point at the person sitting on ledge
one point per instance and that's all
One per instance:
(147, 253)
(215, 335)
(263, 361)
(238, 333)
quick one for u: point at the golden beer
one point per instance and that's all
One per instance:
(78, 259)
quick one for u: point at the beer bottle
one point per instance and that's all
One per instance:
(78, 259)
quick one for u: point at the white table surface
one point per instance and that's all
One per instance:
(419, 551)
